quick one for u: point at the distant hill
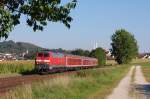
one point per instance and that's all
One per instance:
(17, 47)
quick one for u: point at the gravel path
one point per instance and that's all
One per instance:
(139, 78)
(132, 88)
(141, 86)
(122, 90)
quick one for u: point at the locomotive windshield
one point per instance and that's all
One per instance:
(40, 54)
(46, 54)
(43, 55)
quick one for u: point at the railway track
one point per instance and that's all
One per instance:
(9, 83)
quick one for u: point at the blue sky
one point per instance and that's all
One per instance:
(94, 20)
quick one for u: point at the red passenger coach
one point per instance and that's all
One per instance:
(48, 61)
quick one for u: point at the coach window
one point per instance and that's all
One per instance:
(54, 55)
(60, 55)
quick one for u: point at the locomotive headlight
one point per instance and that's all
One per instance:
(38, 60)
(47, 61)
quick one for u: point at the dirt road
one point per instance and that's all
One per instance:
(141, 86)
(132, 87)
(122, 90)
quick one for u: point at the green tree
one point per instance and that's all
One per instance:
(80, 52)
(100, 54)
(30, 55)
(37, 12)
(124, 46)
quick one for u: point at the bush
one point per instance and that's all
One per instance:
(100, 54)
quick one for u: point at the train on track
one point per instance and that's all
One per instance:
(48, 61)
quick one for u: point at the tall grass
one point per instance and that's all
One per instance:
(16, 66)
(92, 84)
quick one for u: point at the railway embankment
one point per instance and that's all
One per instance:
(90, 83)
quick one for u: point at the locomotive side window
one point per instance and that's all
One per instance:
(54, 54)
(46, 54)
(58, 55)
(40, 54)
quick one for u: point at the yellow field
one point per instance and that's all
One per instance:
(140, 60)
(9, 67)
(111, 62)
(134, 61)
(18, 62)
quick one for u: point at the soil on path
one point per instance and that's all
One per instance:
(123, 89)
(141, 86)
(135, 87)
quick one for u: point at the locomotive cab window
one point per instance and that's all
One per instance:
(40, 54)
(46, 54)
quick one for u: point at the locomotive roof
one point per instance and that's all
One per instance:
(66, 54)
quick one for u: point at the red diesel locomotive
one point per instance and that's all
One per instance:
(47, 61)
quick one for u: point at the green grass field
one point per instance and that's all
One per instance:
(86, 84)
(92, 84)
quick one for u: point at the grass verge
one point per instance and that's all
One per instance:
(85, 84)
